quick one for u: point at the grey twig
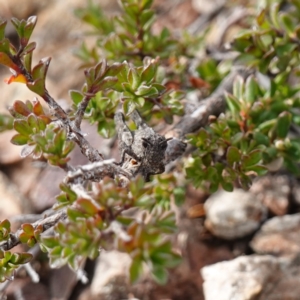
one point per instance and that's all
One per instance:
(47, 223)
(213, 105)
(32, 273)
(96, 171)
(81, 109)
(203, 20)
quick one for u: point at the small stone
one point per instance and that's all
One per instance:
(111, 276)
(273, 192)
(279, 236)
(256, 277)
(233, 215)
(239, 279)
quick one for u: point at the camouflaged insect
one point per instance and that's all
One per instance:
(144, 145)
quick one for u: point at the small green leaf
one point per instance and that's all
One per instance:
(28, 228)
(179, 195)
(133, 78)
(233, 103)
(76, 96)
(266, 126)
(30, 24)
(233, 155)
(22, 127)
(238, 87)
(252, 158)
(38, 86)
(136, 269)
(27, 58)
(147, 18)
(261, 17)
(21, 258)
(287, 23)
(107, 83)
(160, 274)
(114, 69)
(32, 121)
(29, 48)
(274, 15)
(40, 70)
(149, 73)
(291, 166)
(3, 24)
(261, 138)
(140, 101)
(50, 241)
(5, 224)
(5, 47)
(128, 106)
(146, 91)
(283, 124)
(258, 169)
(19, 139)
(106, 128)
(251, 89)
(227, 186)
(145, 4)
(86, 206)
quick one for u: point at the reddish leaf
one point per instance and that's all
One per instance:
(6, 61)
(21, 108)
(37, 107)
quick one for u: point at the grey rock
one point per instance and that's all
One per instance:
(273, 191)
(279, 236)
(233, 215)
(111, 276)
(259, 277)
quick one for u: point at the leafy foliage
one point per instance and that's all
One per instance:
(137, 70)
(40, 136)
(94, 215)
(134, 87)
(4, 230)
(240, 145)
(129, 36)
(9, 262)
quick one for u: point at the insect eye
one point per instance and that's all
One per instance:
(145, 145)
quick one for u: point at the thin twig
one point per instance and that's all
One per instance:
(32, 273)
(47, 223)
(81, 109)
(237, 15)
(202, 21)
(95, 171)
(213, 105)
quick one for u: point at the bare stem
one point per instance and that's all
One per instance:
(81, 109)
(47, 223)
